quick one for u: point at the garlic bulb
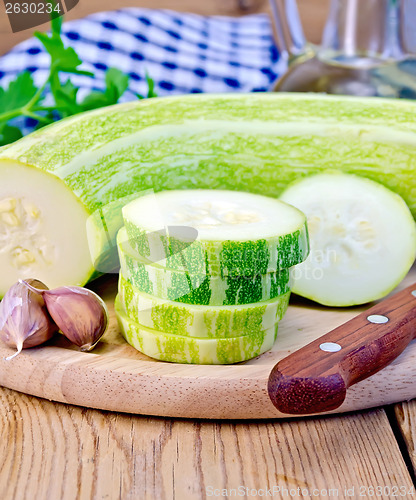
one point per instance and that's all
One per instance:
(24, 319)
(80, 314)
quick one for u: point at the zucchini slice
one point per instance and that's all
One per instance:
(192, 320)
(363, 239)
(180, 349)
(223, 232)
(200, 288)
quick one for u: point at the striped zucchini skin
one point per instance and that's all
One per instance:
(199, 321)
(200, 288)
(181, 349)
(225, 258)
(257, 142)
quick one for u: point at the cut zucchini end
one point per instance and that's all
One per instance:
(233, 232)
(217, 215)
(42, 229)
(362, 235)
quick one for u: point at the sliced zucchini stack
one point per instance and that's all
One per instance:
(205, 275)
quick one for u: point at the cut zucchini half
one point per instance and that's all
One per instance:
(362, 235)
(180, 349)
(217, 232)
(42, 229)
(192, 320)
(201, 288)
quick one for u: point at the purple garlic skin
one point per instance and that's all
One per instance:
(24, 319)
(80, 314)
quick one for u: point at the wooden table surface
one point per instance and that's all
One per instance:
(56, 451)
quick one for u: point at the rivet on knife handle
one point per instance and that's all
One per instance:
(315, 378)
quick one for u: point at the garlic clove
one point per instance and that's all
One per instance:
(24, 319)
(80, 314)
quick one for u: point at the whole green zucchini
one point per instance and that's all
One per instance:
(54, 179)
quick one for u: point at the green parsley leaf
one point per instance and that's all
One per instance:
(19, 92)
(93, 100)
(23, 98)
(66, 98)
(117, 83)
(151, 86)
(56, 24)
(9, 134)
(62, 58)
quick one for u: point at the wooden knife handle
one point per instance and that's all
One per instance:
(315, 378)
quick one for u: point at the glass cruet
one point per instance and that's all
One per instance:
(366, 49)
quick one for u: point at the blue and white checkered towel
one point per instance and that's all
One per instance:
(181, 52)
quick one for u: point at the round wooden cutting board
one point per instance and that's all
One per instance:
(114, 376)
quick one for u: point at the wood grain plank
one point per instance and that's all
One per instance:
(405, 414)
(52, 451)
(313, 14)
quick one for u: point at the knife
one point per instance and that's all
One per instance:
(315, 378)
